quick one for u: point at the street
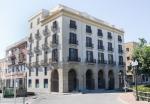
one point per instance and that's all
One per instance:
(89, 98)
(68, 98)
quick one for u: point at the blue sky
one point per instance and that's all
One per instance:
(131, 15)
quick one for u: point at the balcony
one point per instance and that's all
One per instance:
(73, 42)
(91, 61)
(35, 64)
(54, 60)
(74, 59)
(102, 62)
(37, 36)
(111, 62)
(90, 45)
(36, 50)
(45, 46)
(101, 47)
(110, 49)
(120, 51)
(54, 43)
(30, 39)
(121, 64)
(44, 62)
(46, 32)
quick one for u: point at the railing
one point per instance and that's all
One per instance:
(37, 36)
(90, 61)
(102, 62)
(120, 51)
(73, 42)
(111, 62)
(45, 46)
(144, 96)
(70, 59)
(90, 45)
(46, 32)
(101, 47)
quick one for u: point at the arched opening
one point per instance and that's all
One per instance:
(111, 80)
(101, 80)
(72, 80)
(89, 80)
(54, 81)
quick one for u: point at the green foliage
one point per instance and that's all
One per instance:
(143, 88)
(142, 54)
(8, 92)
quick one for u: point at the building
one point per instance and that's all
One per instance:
(70, 51)
(16, 60)
(130, 46)
(3, 67)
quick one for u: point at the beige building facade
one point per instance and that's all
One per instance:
(15, 74)
(3, 67)
(70, 51)
(129, 49)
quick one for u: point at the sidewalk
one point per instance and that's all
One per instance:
(128, 98)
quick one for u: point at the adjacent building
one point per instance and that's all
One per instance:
(16, 60)
(129, 47)
(69, 50)
(3, 67)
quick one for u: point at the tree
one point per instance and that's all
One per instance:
(142, 54)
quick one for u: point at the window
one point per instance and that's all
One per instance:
(36, 83)
(37, 58)
(45, 70)
(73, 38)
(128, 58)
(110, 46)
(100, 44)
(110, 58)
(73, 54)
(31, 25)
(73, 24)
(29, 83)
(38, 21)
(99, 32)
(55, 39)
(100, 56)
(45, 83)
(127, 49)
(120, 60)
(55, 25)
(109, 35)
(45, 56)
(55, 55)
(89, 42)
(89, 56)
(119, 38)
(29, 71)
(120, 49)
(37, 71)
(88, 29)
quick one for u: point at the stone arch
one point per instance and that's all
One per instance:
(89, 80)
(111, 80)
(101, 79)
(72, 80)
(54, 81)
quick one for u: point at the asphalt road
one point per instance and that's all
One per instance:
(89, 98)
(109, 97)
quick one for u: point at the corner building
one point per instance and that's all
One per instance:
(70, 51)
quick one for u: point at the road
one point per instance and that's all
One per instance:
(90, 98)
(77, 98)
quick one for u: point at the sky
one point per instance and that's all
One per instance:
(131, 15)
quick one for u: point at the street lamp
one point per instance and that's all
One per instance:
(134, 65)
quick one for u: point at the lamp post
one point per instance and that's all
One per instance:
(134, 65)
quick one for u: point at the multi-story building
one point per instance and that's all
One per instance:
(130, 47)
(70, 50)
(3, 67)
(16, 60)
